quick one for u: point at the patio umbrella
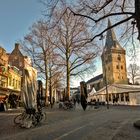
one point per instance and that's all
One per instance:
(83, 95)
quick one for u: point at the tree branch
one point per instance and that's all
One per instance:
(118, 23)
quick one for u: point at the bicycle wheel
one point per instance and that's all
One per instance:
(42, 117)
(34, 120)
(18, 119)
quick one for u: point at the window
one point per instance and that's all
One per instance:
(13, 82)
(10, 81)
(127, 97)
(117, 67)
(122, 97)
(3, 81)
(122, 67)
(119, 57)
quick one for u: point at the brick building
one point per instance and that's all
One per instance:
(10, 78)
(113, 64)
(113, 60)
(17, 59)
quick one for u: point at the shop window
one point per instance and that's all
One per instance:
(117, 96)
(127, 97)
(122, 97)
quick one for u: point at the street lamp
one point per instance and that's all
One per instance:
(106, 89)
(107, 99)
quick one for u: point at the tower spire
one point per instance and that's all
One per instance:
(110, 37)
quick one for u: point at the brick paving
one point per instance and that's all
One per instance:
(92, 124)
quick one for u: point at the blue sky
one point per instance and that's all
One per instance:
(16, 16)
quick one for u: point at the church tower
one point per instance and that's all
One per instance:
(113, 60)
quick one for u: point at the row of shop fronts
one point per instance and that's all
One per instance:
(10, 87)
(11, 79)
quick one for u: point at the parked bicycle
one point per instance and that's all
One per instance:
(30, 118)
(67, 105)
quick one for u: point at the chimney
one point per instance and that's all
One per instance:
(17, 45)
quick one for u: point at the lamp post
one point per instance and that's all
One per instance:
(106, 89)
(107, 99)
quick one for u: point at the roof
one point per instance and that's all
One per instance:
(17, 50)
(98, 77)
(111, 40)
(119, 88)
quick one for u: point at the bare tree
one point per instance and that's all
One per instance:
(38, 46)
(97, 11)
(121, 10)
(55, 74)
(134, 73)
(70, 37)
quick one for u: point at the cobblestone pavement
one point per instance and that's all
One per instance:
(115, 123)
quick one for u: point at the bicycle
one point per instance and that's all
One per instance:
(30, 118)
(39, 117)
(19, 118)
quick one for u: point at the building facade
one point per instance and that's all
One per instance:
(17, 59)
(115, 82)
(96, 83)
(113, 60)
(14, 80)
(113, 64)
(119, 94)
(10, 86)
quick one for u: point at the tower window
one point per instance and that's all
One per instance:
(117, 66)
(122, 67)
(119, 57)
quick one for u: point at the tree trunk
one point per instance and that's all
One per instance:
(68, 75)
(46, 84)
(50, 88)
(68, 84)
